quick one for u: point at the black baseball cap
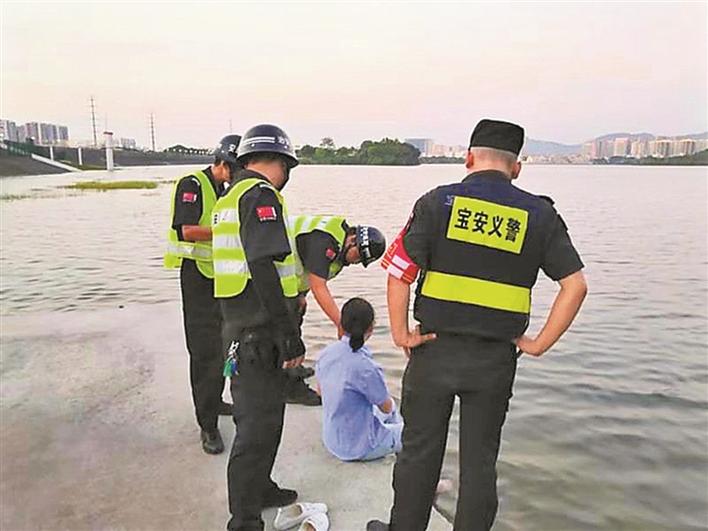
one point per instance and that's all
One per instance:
(498, 135)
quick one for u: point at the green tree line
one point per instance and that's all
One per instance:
(386, 152)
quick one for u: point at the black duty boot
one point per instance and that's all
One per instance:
(376, 525)
(212, 443)
(298, 392)
(279, 498)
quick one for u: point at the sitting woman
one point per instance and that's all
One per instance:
(360, 422)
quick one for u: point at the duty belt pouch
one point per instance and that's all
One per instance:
(258, 348)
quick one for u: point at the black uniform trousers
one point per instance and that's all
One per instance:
(258, 392)
(202, 328)
(481, 372)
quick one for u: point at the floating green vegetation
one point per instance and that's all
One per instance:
(13, 197)
(112, 185)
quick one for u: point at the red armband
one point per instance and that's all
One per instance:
(397, 263)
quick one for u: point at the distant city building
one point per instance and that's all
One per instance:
(32, 131)
(436, 150)
(684, 146)
(48, 133)
(424, 145)
(441, 150)
(622, 147)
(128, 143)
(43, 133)
(662, 148)
(639, 149)
(8, 131)
(588, 150)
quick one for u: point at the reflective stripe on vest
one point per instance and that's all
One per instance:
(200, 252)
(468, 290)
(231, 271)
(332, 225)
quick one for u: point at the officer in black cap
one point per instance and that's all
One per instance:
(475, 248)
(189, 250)
(255, 281)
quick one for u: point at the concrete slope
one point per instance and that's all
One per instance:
(98, 433)
(14, 166)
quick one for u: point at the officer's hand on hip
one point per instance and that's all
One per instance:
(529, 346)
(414, 339)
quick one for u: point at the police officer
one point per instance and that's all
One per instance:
(325, 246)
(189, 249)
(478, 246)
(255, 281)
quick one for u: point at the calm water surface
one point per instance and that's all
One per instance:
(609, 430)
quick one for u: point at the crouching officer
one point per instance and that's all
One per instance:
(255, 281)
(189, 249)
(478, 245)
(325, 246)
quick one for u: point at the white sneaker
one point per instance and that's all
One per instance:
(297, 513)
(315, 522)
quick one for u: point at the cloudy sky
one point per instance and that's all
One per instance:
(358, 70)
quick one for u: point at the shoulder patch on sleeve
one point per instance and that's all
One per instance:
(189, 197)
(266, 213)
(194, 179)
(330, 254)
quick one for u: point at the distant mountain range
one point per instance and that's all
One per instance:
(544, 147)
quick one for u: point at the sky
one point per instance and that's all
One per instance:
(567, 72)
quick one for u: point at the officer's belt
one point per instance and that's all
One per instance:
(470, 290)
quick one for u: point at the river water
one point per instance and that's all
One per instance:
(608, 430)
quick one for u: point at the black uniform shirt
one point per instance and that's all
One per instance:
(263, 235)
(263, 232)
(317, 251)
(559, 258)
(188, 200)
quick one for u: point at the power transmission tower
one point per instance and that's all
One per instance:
(93, 121)
(152, 130)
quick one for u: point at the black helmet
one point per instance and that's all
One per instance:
(371, 244)
(226, 150)
(266, 138)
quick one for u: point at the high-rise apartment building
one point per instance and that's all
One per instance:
(424, 145)
(8, 130)
(639, 149)
(32, 131)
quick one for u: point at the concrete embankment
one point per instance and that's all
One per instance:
(98, 433)
(15, 165)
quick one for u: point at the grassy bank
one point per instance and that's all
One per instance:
(112, 185)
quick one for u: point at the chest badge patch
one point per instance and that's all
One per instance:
(266, 213)
(489, 224)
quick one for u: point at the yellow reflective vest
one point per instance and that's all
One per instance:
(200, 252)
(332, 225)
(231, 272)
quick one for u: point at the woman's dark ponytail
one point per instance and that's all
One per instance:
(357, 318)
(356, 341)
